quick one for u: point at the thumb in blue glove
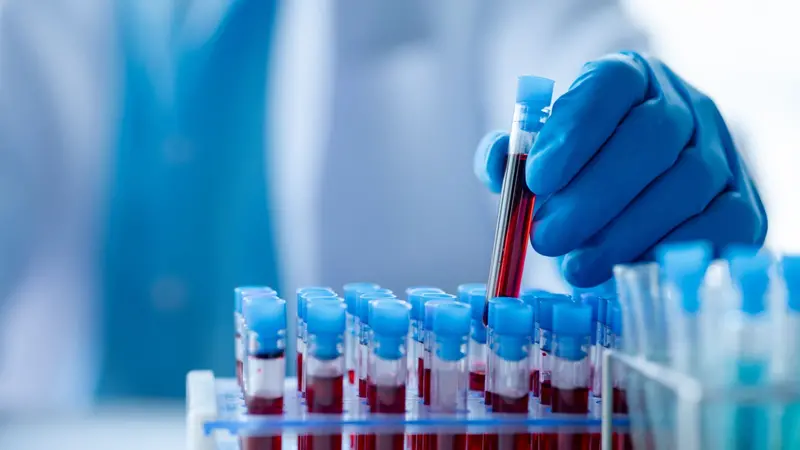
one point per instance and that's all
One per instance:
(632, 156)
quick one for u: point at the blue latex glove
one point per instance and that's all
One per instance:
(632, 156)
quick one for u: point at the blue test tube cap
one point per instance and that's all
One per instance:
(615, 318)
(353, 290)
(477, 301)
(305, 297)
(240, 292)
(266, 318)
(308, 290)
(416, 296)
(326, 321)
(466, 288)
(749, 269)
(545, 312)
(373, 302)
(512, 337)
(572, 327)
(364, 299)
(602, 310)
(790, 266)
(451, 324)
(535, 92)
(494, 303)
(390, 323)
(592, 301)
(430, 305)
(684, 265)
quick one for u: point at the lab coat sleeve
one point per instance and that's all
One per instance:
(551, 39)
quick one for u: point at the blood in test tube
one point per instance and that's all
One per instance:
(325, 365)
(239, 325)
(351, 293)
(390, 322)
(532, 297)
(572, 331)
(619, 441)
(510, 384)
(477, 345)
(416, 296)
(431, 302)
(515, 212)
(309, 294)
(266, 342)
(364, 335)
(449, 369)
(302, 295)
(544, 317)
(420, 377)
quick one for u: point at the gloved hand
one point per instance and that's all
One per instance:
(631, 156)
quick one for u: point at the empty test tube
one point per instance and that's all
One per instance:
(351, 293)
(325, 366)
(477, 344)
(266, 366)
(239, 326)
(416, 349)
(449, 378)
(390, 323)
(364, 334)
(431, 301)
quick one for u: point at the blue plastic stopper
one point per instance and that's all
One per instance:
(416, 297)
(791, 274)
(242, 291)
(266, 318)
(364, 299)
(684, 265)
(353, 290)
(750, 273)
(465, 289)
(535, 92)
(390, 323)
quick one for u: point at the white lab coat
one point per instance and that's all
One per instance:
(376, 106)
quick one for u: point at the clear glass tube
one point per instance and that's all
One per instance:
(545, 366)
(265, 379)
(449, 384)
(534, 365)
(570, 378)
(363, 359)
(510, 386)
(597, 358)
(477, 366)
(349, 346)
(238, 324)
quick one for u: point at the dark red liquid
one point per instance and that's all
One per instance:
(362, 388)
(567, 441)
(571, 401)
(263, 406)
(475, 442)
(446, 442)
(535, 386)
(477, 381)
(387, 400)
(322, 442)
(487, 397)
(420, 375)
(325, 394)
(620, 401)
(546, 392)
(426, 388)
(516, 441)
(240, 373)
(351, 376)
(515, 223)
(299, 372)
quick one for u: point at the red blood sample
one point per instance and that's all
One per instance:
(517, 232)
(516, 441)
(362, 388)
(351, 376)
(475, 442)
(324, 395)
(546, 392)
(420, 375)
(261, 443)
(477, 381)
(535, 385)
(263, 406)
(503, 404)
(299, 372)
(447, 442)
(487, 397)
(371, 391)
(569, 401)
(389, 400)
(426, 389)
(620, 441)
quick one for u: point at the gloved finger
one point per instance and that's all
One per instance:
(730, 219)
(681, 193)
(584, 118)
(489, 162)
(645, 145)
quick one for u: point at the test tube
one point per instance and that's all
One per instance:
(619, 397)
(593, 302)
(248, 299)
(545, 316)
(266, 367)
(488, 393)
(390, 323)
(477, 345)
(238, 325)
(431, 301)
(601, 337)
(364, 333)
(464, 290)
(790, 419)
(514, 218)
(572, 332)
(511, 345)
(301, 326)
(326, 321)
(351, 293)
(416, 349)
(449, 379)
(531, 298)
(305, 297)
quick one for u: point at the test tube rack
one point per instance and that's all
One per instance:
(216, 417)
(685, 429)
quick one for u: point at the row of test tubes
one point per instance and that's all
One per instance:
(538, 351)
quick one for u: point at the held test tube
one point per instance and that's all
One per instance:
(515, 215)
(326, 321)
(477, 345)
(449, 379)
(510, 385)
(390, 322)
(351, 293)
(364, 335)
(266, 366)
(238, 324)
(416, 351)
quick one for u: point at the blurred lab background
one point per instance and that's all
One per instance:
(153, 155)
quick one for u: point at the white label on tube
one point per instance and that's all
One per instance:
(265, 377)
